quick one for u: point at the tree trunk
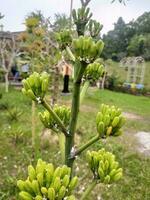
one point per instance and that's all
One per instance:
(71, 7)
(103, 81)
(6, 82)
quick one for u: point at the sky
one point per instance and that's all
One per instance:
(104, 11)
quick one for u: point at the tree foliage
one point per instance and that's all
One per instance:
(1, 16)
(128, 38)
(61, 22)
(140, 46)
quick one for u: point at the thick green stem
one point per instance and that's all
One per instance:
(72, 125)
(85, 146)
(69, 151)
(55, 116)
(88, 190)
(84, 91)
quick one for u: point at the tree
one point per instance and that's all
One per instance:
(117, 40)
(33, 46)
(8, 53)
(1, 16)
(139, 42)
(61, 22)
(140, 46)
(142, 23)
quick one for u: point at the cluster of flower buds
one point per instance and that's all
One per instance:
(104, 167)
(32, 22)
(81, 17)
(64, 39)
(94, 28)
(36, 86)
(38, 31)
(86, 50)
(63, 113)
(45, 182)
(109, 121)
(94, 71)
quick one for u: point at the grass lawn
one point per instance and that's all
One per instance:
(16, 152)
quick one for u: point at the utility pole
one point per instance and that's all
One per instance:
(71, 7)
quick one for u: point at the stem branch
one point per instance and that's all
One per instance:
(85, 146)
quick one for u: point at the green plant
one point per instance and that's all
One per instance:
(60, 119)
(16, 135)
(4, 106)
(13, 113)
(83, 51)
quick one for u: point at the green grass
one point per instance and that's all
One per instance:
(16, 156)
(130, 103)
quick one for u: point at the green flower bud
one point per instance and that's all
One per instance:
(51, 193)
(31, 173)
(36, 187)
(61, 193)
(73, 183)
(38, 197)
(44, 191)
(66, 180)
(21, 185)
(25, 196)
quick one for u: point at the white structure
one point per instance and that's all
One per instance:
(135, 69)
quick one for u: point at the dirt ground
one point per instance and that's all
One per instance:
(144, 142)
